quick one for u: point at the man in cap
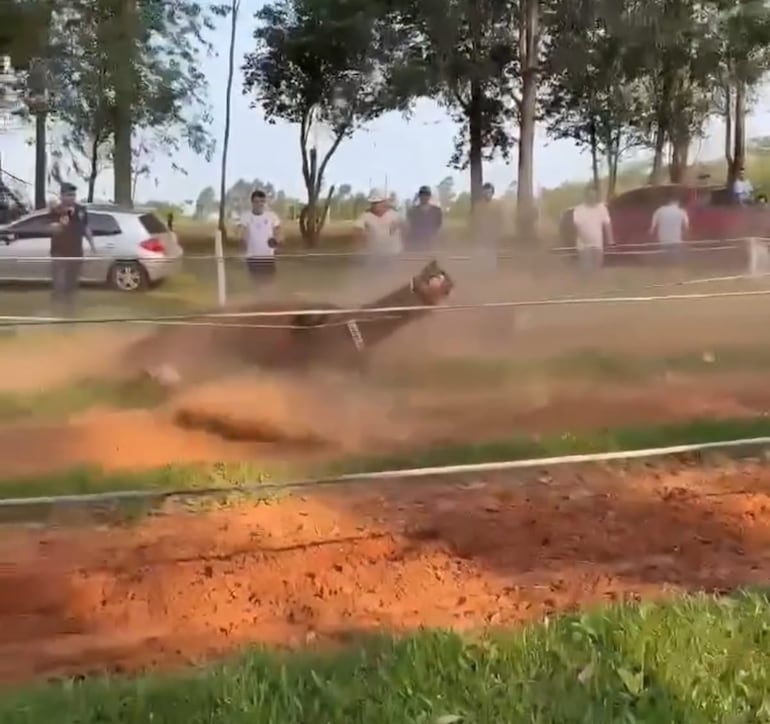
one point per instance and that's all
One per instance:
(69, 226)
(380, 228)
(424, 221)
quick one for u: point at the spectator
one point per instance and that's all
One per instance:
(69, 226)
(669, 227)
(488, 224)
(424, 220)
(380, 228)
(261, 233)
(593, 228)
(743, 190)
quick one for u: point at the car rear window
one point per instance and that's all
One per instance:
(103, 224)
(152, 224)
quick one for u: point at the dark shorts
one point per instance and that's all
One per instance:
(261, 268)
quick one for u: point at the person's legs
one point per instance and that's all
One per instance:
(261, 270)
(590, 260)
(58, 286)
(65, 277)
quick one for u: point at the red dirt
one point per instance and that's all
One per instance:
(184, 588)
(242, 419)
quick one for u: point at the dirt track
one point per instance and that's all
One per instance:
(183, 588)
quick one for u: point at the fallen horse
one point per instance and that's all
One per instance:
(293, 340)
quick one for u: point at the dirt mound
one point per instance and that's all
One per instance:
(314, 408)
(186, 588)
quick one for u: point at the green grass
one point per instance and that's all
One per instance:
(579, 364)
(697, 660)
(91, 480)
(60, 402)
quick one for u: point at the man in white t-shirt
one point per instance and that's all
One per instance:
(261, 230)
(593, 228)
(743, 189)
(380, 229)
(669, 226)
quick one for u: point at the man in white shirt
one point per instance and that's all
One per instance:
(380, 229)
(261, 233)
(743, 188)
(592, 227)
(669, 226)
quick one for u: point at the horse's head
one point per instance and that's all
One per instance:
(432, 285)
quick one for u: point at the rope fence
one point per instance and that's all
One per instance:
(355, 312)
(393, 475)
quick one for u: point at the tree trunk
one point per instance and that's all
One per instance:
(594, 154)
(656, 173)
(528, 54)
(124, 100)
(680, 150)
(94, 170)
(475, 137)
(728, 118)
(234, 8)
(739, 135)
(41, 158)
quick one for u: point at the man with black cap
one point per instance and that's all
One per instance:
(424, 221)
(69, 226)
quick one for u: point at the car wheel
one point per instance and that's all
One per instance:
(128, 276)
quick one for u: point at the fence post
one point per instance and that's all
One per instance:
(219, 254)
(759, 257)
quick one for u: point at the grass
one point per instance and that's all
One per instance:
(699, 660)
(579, 364)
(190, 477)
(61, 402)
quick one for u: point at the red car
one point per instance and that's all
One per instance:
(716, 219)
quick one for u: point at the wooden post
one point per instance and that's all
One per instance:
(221, 274)
(759, 257)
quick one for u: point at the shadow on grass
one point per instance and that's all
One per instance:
(691, 661)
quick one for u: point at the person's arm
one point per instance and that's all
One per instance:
(439, 219)
(277, 230)
(87, 231)
(607, 226)
(359, 228)
(243, 226)
(654, 223)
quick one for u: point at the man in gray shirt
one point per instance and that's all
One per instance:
(669, 227)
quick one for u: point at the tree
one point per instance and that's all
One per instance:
(206, 203)
(745, 29)
(591, 94)
(323, 62)
(234, 10)
(446, 192)
(463, 53)
(529, 64)
(136, 65)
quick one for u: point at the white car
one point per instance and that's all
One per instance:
(134, 249)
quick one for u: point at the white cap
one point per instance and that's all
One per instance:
(377, 195)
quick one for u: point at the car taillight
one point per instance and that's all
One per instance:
(155, 245)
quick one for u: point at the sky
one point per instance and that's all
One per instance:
(390, 152)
